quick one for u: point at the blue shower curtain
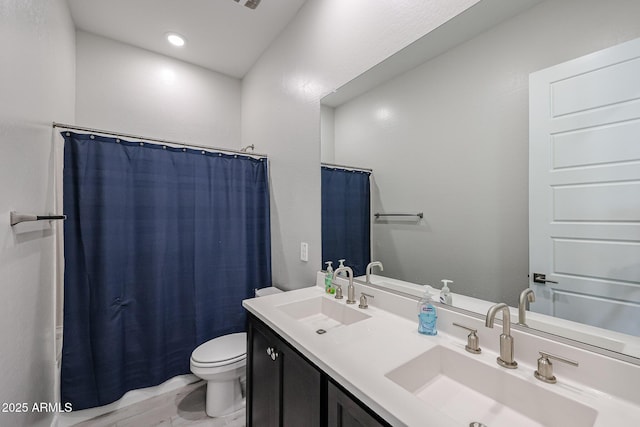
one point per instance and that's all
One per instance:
(161, 246)
(346, 218)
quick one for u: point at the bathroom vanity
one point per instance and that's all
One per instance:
(314, 360)
(286, 388)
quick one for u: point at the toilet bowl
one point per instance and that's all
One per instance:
(221, 363)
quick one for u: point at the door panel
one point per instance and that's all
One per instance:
(594, 145)
(595, 87)
(598, 259)
(610, 201)
(601, 311)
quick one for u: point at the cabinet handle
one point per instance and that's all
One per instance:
(272, 353)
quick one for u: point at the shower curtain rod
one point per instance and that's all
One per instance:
(146, 138)
(334, 165)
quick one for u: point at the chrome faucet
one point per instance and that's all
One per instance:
(506, 340)
(370, 267)
(351, 290)
(526, 295)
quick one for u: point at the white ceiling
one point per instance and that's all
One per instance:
(467, 25)
(221, 35)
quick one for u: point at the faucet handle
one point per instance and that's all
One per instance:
(363, 300)
(545, 367)
(473, 341)
(338, 291)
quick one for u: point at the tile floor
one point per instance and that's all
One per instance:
(178, 408)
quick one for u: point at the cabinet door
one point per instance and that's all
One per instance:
(301, 391)
(283, 388)
(343, 411)
(263, 380)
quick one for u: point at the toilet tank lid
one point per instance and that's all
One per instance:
(269, 290)
(226, 347)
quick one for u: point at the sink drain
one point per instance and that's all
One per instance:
(321, 331)
(476, 424)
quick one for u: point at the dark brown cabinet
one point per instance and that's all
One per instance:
(285, 389)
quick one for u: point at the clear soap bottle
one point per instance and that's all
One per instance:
(328, 279)
(427, 315)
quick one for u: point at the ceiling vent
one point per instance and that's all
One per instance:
(251, 4)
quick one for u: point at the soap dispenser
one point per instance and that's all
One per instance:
(427, 315)
(328, 279)
(445, 293)
(341, 273)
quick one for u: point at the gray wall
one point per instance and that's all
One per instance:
(37, 70)
(327, 134)
(127, 89)
(450, 138)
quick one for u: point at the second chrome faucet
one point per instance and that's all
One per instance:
(370, 267)
(506, 340)
(525, 296)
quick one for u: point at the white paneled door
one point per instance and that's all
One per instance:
(584, 188)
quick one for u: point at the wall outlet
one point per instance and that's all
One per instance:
(304, 251)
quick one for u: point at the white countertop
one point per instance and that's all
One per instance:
(359, 355)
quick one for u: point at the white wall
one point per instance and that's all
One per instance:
(37, 84)
(127, 89)
(450, 138)
(328, 43)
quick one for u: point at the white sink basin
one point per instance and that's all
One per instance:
(323, 313)
(471, 391)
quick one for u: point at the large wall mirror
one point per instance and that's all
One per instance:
(444, 126)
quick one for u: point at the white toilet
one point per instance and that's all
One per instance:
(222, 363)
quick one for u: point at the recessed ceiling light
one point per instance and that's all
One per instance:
(175, 39)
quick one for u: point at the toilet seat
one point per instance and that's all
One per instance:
(221, 351)
(219, 363)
